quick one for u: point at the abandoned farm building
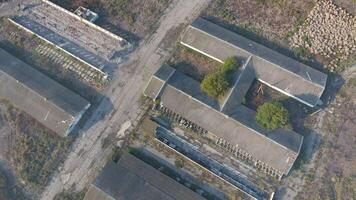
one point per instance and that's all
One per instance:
(280, 72)
(234, 128)
(75, 35)
(51, 104)
(133, 179)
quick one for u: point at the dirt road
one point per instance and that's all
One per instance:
(124, 93)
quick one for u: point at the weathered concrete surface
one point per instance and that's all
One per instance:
(87, 156)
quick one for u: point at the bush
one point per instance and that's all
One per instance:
(215, 84)
(230, 64)
(272, 115)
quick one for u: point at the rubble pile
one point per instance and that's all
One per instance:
(328, 31)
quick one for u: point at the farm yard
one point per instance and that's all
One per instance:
(295, 28)
(320, 34)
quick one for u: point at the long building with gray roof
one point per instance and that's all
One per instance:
(234, 127)
(133, 179)
(50, 103)
(280, 72)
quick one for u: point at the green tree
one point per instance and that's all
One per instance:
(215, 84)
(272, 115)
(230, 64)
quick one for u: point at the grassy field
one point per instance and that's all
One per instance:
(35, 151)
(333, 175)
(261, 19)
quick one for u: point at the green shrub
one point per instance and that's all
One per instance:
(215, 84)
(272, 115)
(230, 64)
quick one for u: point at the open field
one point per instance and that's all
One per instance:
(131, 19)
(32, 150)
(333, 176)
(265, 20)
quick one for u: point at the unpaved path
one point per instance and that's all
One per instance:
(124, 93)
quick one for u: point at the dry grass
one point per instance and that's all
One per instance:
(270, 19)
(35, 151)
(192, 63)
(133, 18)
(334, 176)
(328, 32)
(23, 46)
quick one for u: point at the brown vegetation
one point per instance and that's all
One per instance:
(271, 19)
(135, 16)
(193, 64)
(23, 46)
(330, 32)
(34, 151)
(334, 174)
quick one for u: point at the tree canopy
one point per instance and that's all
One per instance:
(272, 115)
(216, 84)
(230, 64)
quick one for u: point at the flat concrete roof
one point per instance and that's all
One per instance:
(133, 179)
(76, 35)
(62, 42)
(278, 148)
(272, 68)
(44, 99)
(157, 81)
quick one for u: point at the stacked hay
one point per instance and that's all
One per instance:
(328, 31)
